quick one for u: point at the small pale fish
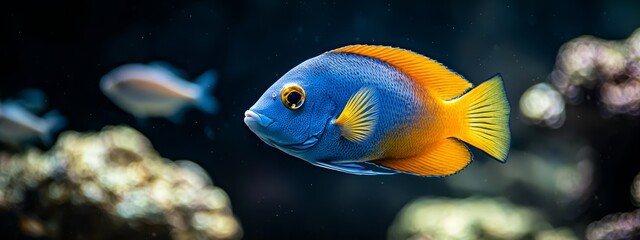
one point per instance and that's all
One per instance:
(20, 127)
(372, 110)
(157, 90)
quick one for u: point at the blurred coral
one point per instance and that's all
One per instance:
(619, 225)
(635, 190)
(616, 226)
(117, 183)
(542, 104)
(612, 67)
(472, 218)
(558, 173)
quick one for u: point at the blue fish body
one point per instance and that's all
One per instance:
(332, 79)
(402, 111)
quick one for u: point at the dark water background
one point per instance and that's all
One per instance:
(64, 47)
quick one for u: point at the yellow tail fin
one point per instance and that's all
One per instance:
(485, 111)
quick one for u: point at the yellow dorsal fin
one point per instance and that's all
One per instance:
(434, 76)
(444, 158)
(359, 116)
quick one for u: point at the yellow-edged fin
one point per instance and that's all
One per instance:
(444, 158)
(485, 113)
(359, 116)
(435, 77)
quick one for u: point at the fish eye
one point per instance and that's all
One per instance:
(292, 96)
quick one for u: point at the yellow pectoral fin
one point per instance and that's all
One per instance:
(445, 158)
(359, 116)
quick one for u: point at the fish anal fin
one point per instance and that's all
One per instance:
(444, 158)
(427, 72)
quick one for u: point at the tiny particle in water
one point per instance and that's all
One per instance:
(208, 131)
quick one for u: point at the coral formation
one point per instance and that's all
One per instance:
(616, 226)
(611, 67)
(119, 185)
(635, 190)
(588, 67)
(558, 173)
(619, 225)
(542, 104)
(472, 218)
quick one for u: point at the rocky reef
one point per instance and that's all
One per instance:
(588, 68)
(611, 68)
(616, 226)
(117, 185)
(472, 218)
(619, 225)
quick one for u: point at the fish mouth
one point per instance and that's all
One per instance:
(255, 120)
(252, 118)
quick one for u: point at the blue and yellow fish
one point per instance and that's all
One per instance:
(371, 110)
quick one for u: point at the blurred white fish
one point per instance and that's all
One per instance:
(19, 127)
(157, 90)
